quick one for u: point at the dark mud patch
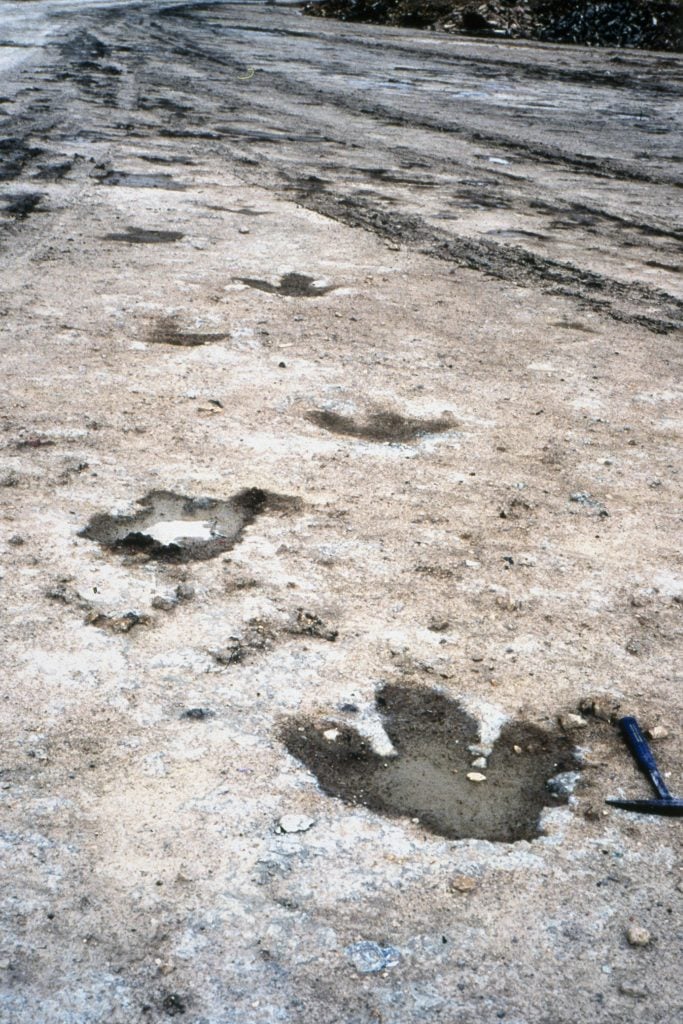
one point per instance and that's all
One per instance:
(669, 267)
(166, 332)
(427, 777)
(54, 171)
(175, 528)
(573, 325)
(632, 302)
(144, 236)
(21, 205)
(15, 154)
(129, 180)
(296, 285)
(176, 158)
(380, 426)
(34, 441)
(243, 211)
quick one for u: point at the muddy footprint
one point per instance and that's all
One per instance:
(176, 528)
(296, 285)
(427, 777)
(381, 426)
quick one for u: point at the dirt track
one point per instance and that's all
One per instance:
(391, 323)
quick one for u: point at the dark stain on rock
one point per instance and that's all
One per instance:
(167, 332)
(243, 211)
(144, 236)
(54, 171)
(427, 776)
(130, 180)
(296, 285)
(15, 154)
(198, 714)
(573, 325)
(175, 528)
(380, 426)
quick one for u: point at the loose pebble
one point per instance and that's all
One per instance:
(476, 777)
(638, 936)
(572, 722)
(629, 988)
(371, 958)
(462, 883)
(294, 823)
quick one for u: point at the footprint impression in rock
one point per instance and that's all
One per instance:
(299, 286)
(175, 528)
(427, 776)
(381, 426)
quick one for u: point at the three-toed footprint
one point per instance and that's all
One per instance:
(431, 777)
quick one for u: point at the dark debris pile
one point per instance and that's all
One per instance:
(644, 24)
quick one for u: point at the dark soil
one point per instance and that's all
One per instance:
(645, 24)
(427, 778)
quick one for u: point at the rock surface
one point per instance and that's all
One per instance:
(484, 236)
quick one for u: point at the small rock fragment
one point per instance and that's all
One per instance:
(517, 749)
(638, 936)
(476, 777)
(197, 714)
(605, 709)
(308, 624)
(231, 653)
(163, 603)
(658, 732)
(563, 784)
(479, 762)
(294, 823)
(117, 623)
(370, 958)
(628, 988)
(462, 883)
(571, 722)
(184, 592)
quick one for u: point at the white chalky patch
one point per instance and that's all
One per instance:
(491, 720)
(180, 529)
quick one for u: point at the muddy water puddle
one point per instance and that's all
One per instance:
(175, 528)
(430, 778)
(381, 426)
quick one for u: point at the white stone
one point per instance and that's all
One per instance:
(294, 823)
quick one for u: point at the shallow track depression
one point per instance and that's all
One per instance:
(339, 515)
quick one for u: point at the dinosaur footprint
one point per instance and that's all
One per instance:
(427, 777)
